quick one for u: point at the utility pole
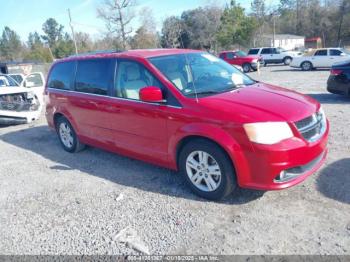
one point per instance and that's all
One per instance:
(71, 26)
(274, 29)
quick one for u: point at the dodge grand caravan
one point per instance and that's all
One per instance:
(189, 111)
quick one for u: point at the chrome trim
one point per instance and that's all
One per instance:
(114, 97)
(318, 121)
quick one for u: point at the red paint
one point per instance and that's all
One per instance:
(336, 72)
(151, 94)
(238, 60)
(152, 132)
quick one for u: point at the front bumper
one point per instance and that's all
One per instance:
(255, 65)
(13, 118)
(265, 163)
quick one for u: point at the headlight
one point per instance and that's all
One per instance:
(268, 133)
(255, 61)
(30, 95)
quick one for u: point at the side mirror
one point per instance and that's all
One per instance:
(151, 94)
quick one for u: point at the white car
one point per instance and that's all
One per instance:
(21, 103)
(274, 55)
(320, 58)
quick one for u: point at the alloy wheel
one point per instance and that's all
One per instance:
(203, 171)
(66, 135)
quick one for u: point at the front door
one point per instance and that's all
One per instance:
(138, 127)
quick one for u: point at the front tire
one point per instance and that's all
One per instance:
(287, 60)
(67, 136)
(246, 68)
(207, 169)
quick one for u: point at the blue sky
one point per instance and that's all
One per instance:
(29, 15)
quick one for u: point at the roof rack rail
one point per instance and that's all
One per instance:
(97, 52)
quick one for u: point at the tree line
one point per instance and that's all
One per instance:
(210, 27)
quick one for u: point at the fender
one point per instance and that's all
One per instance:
(216, 134)
(61, 110)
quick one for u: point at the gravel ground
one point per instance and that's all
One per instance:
(52, 202)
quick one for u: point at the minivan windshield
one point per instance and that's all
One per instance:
(200, 74)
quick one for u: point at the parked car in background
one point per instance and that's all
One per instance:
(240, 58)
(189, 111)
(274, 55)
(321, 58)
(21, 103)
(339, 79)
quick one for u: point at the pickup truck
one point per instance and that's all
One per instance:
(240, 58)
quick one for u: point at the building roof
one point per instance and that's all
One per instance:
(284, 36)
(312, 39)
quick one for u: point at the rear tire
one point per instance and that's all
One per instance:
(207, 169)
(306, 66)
(67, 136)
(287, 60)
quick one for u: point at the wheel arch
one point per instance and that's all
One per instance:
(216, 135)
(306, 61)
(59, 113)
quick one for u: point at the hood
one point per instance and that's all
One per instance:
(261, 103)
(13, 90)
(253, 57)
(293, 53)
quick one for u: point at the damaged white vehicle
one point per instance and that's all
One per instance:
(21, 103)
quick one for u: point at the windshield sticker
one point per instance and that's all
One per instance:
(210, 57)
(237, 79)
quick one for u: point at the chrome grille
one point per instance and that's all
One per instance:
(313, 127)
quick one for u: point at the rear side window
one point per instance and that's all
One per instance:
(335, 52)
(265, 51)
(61, 75)
(253, 52)
(321, 53)
(93, 76)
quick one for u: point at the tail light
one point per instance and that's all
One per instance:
(336, 72)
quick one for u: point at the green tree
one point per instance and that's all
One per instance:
(36, 50)
(53, 32)
(236, 27)
(10, 45)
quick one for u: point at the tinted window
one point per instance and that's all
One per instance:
(222, 56)
(61, 75)
(34, 80)
(131, 77)
(321, 53)
(265, 51)
(253, 52)
(335, 52)
(93, 76)
(230, 55)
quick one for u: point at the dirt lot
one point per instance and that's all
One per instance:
(52, 202)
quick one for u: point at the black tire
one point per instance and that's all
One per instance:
(76, 145)
(287, 60)
(246, 68)
(306, 66)
(228, 176)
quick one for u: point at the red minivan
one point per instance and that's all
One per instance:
(189, 111)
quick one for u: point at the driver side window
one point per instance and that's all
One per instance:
(130, 77)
